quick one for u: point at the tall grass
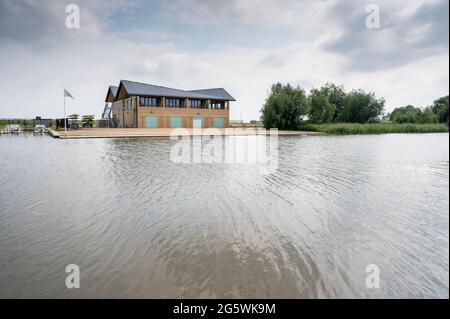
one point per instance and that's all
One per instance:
(373, 128)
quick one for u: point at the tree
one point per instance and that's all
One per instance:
(362, 107)
(320, 108)
(428, 116)
(411, 114)
(284, 107)
(336, 96)
(406, 114)
(440, 109)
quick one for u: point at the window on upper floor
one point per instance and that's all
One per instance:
(150, 101)
(129, 104)
(173, 103)
(217, 105)
(196, 104)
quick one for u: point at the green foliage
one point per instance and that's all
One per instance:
(284, 107)
(411, 114)
(336, 96)
(321, 110)
(440, 109)
(373, 128)
(428, 117)
(362, 107)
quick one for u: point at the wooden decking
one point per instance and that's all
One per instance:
(160, 132)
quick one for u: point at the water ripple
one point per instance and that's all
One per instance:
(141, 226)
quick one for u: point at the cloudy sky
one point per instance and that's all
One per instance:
(243, 46)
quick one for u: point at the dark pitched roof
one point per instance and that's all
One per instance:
(217, 93)
(138, 88)
(114, 89)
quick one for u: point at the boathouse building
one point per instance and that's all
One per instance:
(141, 105)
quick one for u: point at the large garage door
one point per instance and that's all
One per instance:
(175, 122)
(152, 122)
(218, 122)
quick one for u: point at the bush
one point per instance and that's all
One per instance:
(428, 117)
(320, 108)
(362, 107)
(440, 109)
(284, 107)
(411, 114)
(336, 97)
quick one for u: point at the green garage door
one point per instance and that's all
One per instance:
(197, 122)
(152, 122)
(175, 121)
(218, 122)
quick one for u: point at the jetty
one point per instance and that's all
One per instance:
(166, 132)
(12, 129)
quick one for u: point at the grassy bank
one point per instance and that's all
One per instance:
(373, 128)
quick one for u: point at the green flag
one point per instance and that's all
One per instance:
(67, 93)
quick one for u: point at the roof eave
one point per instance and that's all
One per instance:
(107, 95)
(194, 95)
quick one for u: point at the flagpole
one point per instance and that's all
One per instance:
(65, 119)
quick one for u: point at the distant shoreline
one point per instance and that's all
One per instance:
(373, 128)
(306, 129)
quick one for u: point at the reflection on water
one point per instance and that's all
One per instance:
(139, 225)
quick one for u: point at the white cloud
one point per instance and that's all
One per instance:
(271, 13)
(31, 80)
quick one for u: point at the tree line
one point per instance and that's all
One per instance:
(436, 113)
(287, 107)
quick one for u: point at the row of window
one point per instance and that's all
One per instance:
(173, 103)
(195, 104)
(150, 101)
(217, 105)
(129, 104)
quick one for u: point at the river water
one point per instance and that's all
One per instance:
(141, 226)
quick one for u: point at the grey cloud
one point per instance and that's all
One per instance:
(270, 13)
(280, 58)
(25, 21)
(401, 39)
(40, 24)
(273, 61)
